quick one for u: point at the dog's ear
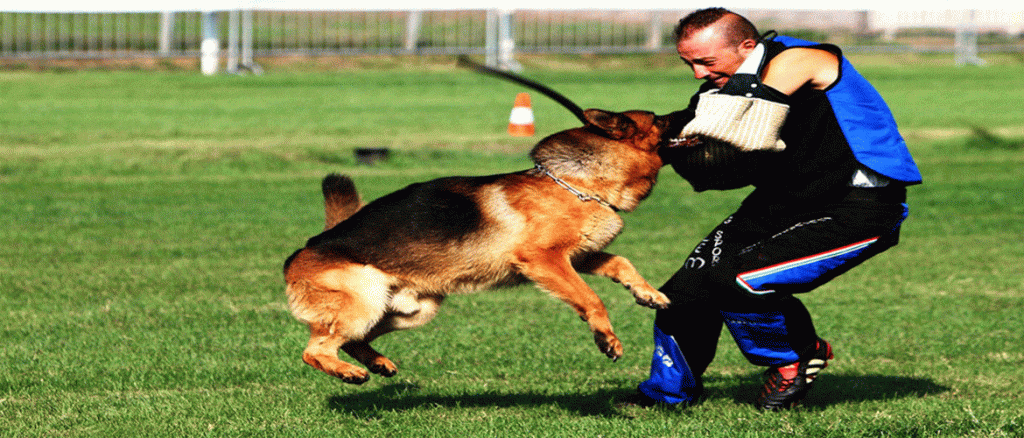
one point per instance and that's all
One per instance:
(615, 126)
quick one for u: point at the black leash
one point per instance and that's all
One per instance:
(464, 61)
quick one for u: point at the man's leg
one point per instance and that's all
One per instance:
(686, 333)
(771, 326)
(771, 332)
(685, 339)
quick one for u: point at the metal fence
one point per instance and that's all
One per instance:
(74, 35)
(273, 33)
(83, 35)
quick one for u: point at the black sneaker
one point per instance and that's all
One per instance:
(786, 386)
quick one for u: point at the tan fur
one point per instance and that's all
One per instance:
(532, 229)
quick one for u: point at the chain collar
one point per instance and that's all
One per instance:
(582, 196)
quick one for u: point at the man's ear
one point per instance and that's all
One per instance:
(615, 126)
(746, 46)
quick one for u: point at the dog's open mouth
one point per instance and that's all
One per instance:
(683, 142)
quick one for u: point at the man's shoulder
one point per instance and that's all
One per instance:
(804, 55)
(797, 63)
(787, 43)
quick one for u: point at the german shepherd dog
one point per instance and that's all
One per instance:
(388, 265)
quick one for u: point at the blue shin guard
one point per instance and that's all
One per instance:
(671, 379)
(762, 337)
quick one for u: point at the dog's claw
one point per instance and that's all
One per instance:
(650, 297)
(383, 371)
(611, 348)
(355, 380)
(653, 304)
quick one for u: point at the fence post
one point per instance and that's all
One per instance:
(506, 42)
(413, 20)
(247, 43)
(209, 49)
(654, 32)
(491, 38)
(500, 47)
(966, 44)
(233, 42)
(166, 32)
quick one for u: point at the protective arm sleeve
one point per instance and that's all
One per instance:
(744, 113)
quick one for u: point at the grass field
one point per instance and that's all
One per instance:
(145, 217)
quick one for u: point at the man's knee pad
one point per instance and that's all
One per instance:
(671, 379)
(762, 337)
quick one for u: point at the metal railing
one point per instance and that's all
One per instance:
(273, 33)
(84, 35)
(70, 35)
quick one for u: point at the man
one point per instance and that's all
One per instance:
(829, 172)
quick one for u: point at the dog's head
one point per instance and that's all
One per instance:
(617, 153)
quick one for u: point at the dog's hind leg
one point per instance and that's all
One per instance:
(374, 361)
(620, 270)
(554, 273)
(322, 353)
(340, 305)
(405, 311)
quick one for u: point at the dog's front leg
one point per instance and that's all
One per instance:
(620, 270)
(555, 274)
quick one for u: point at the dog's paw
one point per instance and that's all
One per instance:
(347, 372)
(355, 380)
(609, 344)
(384, 367)
(650, 298)
(357, 377)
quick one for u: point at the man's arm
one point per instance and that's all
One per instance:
(751, 118)
(796, 67)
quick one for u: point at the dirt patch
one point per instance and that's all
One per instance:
(111, 64)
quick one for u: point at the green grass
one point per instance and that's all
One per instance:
(145, 217)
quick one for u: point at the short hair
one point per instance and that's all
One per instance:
(738, 28)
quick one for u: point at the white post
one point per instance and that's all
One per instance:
(209, 49)
(413, 22)
(506, 43)
(166, 32)
(233, 42)
(966, 45)
(959, 46)
(247, 60)
(491, 39)
(654, 31)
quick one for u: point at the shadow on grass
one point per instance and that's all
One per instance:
(403, 396)
(831, 389)
(828, 390)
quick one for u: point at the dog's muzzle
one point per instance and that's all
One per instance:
(709, 164)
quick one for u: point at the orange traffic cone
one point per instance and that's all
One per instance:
(520, 122)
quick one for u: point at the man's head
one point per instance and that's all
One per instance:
(714, 42)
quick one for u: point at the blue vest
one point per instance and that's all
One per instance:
(865, 121)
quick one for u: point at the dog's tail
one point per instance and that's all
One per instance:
(341, 200)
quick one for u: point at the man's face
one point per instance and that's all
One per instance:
(710, 56)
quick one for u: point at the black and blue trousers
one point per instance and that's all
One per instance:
(745, 274)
